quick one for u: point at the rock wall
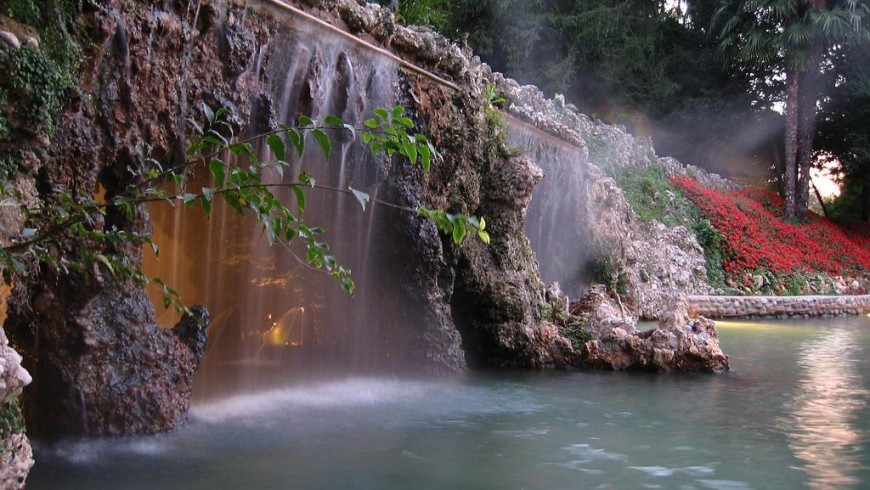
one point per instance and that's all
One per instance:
(101, 365)
(777, 306)
(16, 456)
(650, 262)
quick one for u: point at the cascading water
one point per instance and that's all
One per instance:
(274, 319)
(557, 217)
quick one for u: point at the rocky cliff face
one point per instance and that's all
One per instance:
(16, 457)
(101, 365)
(651, 262)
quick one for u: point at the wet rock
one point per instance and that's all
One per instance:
(650, 261)
(191, 331)
(105, 368)
(101, 366)
(692, 346)
(237, 47)
(13, 376)
(16, 457)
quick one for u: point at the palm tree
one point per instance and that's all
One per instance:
(793, 37)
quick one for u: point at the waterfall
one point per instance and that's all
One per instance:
(557, 220)
(274, 319)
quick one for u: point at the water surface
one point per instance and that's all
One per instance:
(793, 413)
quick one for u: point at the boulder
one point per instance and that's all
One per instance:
(678, 344)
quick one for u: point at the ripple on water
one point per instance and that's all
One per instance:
(662, 471)
(725, 484)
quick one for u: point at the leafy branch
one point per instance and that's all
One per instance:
(77, 226)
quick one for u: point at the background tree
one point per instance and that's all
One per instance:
(792, 37)
(844, 134)
(640, 63)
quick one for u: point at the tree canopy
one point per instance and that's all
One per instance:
(706, 79)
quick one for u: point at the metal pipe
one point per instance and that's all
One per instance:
(408, 66)
(549, 136)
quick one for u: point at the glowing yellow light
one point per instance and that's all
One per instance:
(734, 324)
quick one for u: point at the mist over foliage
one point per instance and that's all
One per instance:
(659, 69)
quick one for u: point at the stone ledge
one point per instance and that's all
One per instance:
(777, 306)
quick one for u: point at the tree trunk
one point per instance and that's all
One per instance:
(791, 140)
(807, 97)
(821, 201)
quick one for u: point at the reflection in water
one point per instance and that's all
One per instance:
(823, 428)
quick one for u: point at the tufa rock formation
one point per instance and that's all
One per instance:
(102, 366)
(16, 456)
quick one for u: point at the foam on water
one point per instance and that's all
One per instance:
(346, 393)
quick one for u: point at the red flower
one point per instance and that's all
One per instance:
(754, 237)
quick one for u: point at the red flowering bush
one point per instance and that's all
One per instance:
(754, 238)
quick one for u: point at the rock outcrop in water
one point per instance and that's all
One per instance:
(678, 344)
(103, 366)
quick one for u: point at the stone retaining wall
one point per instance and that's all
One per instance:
(777, 306)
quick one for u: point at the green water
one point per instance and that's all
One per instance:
(793, 413)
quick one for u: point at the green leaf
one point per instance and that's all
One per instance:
(398, 111)
(381, 113)
(371, 123)
(323, 140)
(360, 196)
(197, 126)
(405, 121)
(279, 168)
(209, 113)
(409, 149)
(484, 236)
(458, 231)
(425, 156)
(189, 198)
(300, 197)
(215, 138)
(106, 262)
(217, 171)
(332, 120)
(276, 144)
(207, 194)
(305, 121)
(297, 140)
(179, 181)
(307, 179)
(242, 149)
(195, 146)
